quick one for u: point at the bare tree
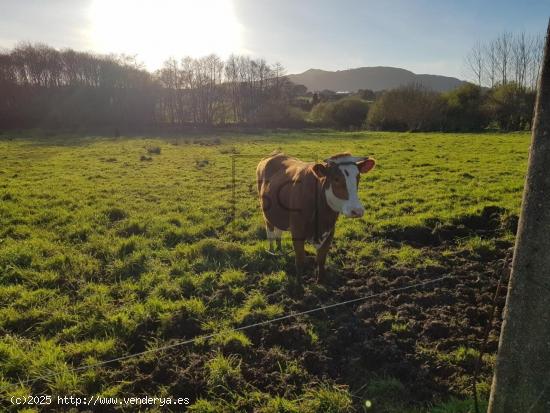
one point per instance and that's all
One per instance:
(509, 57)
(115, 89)
(491, 63)
(169, 76)
(520, 57)
(536, 53)
(476, 62)
(503, 50)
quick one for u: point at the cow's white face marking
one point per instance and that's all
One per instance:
(351, 207)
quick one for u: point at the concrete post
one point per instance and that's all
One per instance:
(521, 383)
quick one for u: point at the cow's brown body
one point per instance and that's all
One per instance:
(293, 199)
(306, 199)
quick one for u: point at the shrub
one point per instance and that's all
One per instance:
(279, 114)
(344, 113)
(408, 108)
(465, 111)
(510, 106)
(320, 114)
(350, 112)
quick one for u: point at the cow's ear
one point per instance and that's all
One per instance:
(319, 170)
(365, 165)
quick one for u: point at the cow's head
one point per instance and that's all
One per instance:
(341, 174)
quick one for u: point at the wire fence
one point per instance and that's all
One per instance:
(291, 315)
(224, 332)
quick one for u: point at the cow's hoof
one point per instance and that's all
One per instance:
(295, 287)
(322, 275)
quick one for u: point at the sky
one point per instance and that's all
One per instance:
(424, 36)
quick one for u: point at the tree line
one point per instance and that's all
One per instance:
(468, 108)
(43, 86)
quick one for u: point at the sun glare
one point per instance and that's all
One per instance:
(156, 30)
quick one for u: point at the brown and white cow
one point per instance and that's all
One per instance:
(306, 199)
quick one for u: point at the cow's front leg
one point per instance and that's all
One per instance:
(322, 252)
(300, 255)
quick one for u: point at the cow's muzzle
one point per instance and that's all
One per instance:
(354, 212)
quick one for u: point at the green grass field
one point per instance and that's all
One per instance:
(112, 246)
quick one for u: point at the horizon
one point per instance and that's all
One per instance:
(371, 67)
(414, 37)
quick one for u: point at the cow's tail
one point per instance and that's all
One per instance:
(261, 168)
(259, 177)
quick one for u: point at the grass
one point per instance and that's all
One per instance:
(103, 255)
(222, 369)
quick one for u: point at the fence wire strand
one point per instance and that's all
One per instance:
(213, 335)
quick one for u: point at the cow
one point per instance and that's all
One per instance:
(307, 198)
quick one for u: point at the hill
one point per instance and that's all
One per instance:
(374, 78)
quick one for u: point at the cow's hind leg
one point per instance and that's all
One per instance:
(274, 235)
